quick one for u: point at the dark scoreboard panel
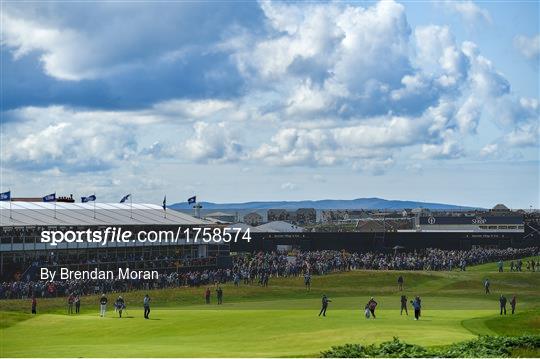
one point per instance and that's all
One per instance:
(477, 220)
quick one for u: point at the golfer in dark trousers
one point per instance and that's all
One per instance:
(34, 305)
(404, 305)
(372, 304)
(513, 303)
(77, 304)
(417, 307)
(219, 295)
(146, 304)
(502, 302)
(325, 302)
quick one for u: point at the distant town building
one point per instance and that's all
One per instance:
(500, 209)
(300, 216)
(253, 219)
(306, 216)
(222, 217)
(343, 215)
(278, 215)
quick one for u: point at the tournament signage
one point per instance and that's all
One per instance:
(477, 220)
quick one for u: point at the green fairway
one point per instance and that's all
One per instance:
(277, 321)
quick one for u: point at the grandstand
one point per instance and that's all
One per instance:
(22, 252)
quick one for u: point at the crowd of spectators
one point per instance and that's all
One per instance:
(258, 268)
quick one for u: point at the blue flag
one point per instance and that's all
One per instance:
(125, 198)
(88, 199)
(192, 200)
(5, 196)
(165, 203)
(50, 197)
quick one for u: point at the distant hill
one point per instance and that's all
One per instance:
(359, 203)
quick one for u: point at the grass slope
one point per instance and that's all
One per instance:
(277, 321)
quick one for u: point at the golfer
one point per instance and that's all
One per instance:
(71, 300)
(502, 303)
(34, 305)
(486, 285)
(102, 305)
(325, 302)
(77, 304)
(146, 305)
(513, 303)
(219, 292)
(119, 306)
(404, 305)
(400, 283)
(417, 307)
(372, 304)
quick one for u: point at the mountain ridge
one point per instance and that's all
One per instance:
(357, 203)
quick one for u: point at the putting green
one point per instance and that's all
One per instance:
(277, 321)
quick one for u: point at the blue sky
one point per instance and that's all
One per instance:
(239, 101)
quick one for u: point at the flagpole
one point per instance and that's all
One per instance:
(131, 205)
(54, 204)
(165, 207)
(94, 205)
(10, 214)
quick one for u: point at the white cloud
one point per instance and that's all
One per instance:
(374, 166)
(468, 115)
(326, 147)
(470, 12)
(213, 143)
(65, 143)
(75, 140)
(528, 46)
(330, 84)
(523, 136)
(448, 148)
(489, 150)
(289, 186)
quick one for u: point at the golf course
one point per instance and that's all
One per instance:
(278, 321)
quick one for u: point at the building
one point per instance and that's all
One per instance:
(222, 217)
(253, 219)
(343, 215)
(278, 215)
(22, 250)
(306, 216)
(301, 216)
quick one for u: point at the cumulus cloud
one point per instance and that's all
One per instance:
(95, 41)
(213, 143)
(528, 46)
(65, 144)
(448, 147)
(323, 84)
(79, 140)
(468, 10)
(325, 147)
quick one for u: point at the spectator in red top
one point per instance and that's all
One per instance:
(207, 295)
(34, 305)
(372, 304)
